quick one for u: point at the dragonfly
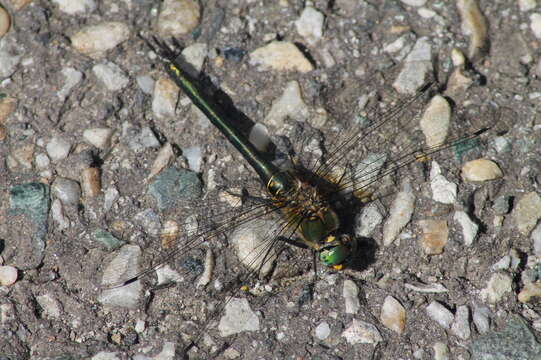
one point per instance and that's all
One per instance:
(307, 200)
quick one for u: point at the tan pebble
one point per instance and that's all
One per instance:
(481, 170)
(169, 234)
(7, 106)
(435, 236)
(5, 21)
(393, 315)
(3, 133)
(435, 121)
(164, 157)
(91, 182)
(529, 291)
(475, 26)
(281, 56)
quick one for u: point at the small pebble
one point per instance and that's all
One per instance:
(481, 318)
(173, 185)
(502, 264)
(195, 55)
(368, 169)
(289, 105)
(259, 137)
(165, 97)
(99, 137)
(310, 25)
(474, 25)
(250, 239)
(8, 275)
(58, 148)
(10, 56)
(72, 77)
(106, 239)
(529, 291)
(281, 56)
(23, 155)
(91, 182)
(367, 221)
(238, 318)
(535, 24)
(481, 170)
(194, 157)
(50, 306)
(443, 191)
(111, 195)
(527, 5)
(417, 67)
(350, 292)
(469, 228)
(42, 161)
(536, 239)
(361, 332)
(149, 221)
(415, 3)
(95, 40)
(5, 21)
(399, 215)
(163, 159)
(435, 121)
(502, 205)
(73, 7)
(393, 315)
(206, 276)
(527, 212)
(111, 75)
(498, 285)
(166, 275)
(435, 236)
(143, 140)
(7, 106)
(322, 331)
(57, 213)
(427, 288)
(461, 324)
(441, 351)
(440, 314)
(145, 83)
(178, 17)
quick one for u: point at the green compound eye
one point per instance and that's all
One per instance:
(335, 255)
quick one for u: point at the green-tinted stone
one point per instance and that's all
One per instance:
(173, 185)
(107, 239)
(32, 199)
(463, 147)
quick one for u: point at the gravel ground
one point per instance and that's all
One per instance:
(89, 121)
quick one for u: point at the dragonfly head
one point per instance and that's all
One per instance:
(336, 251)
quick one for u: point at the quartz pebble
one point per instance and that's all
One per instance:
(435, 236)
(5, 21)
(361, 332)
(111, 75)
(58, 148)
(498, 285)
(289, 105)
(178, 17)
(440, 314)
(57, 212)
(441, 351)
(481, 318)
(99, 137)
(72, 77)
(95, 40)
(417, 67)
(281, 56)
(527, 5)
(481, 170)
(469, 228)
(10, 56)
(416, 3)
(393, 315)
(399, 215)
(50, 306)
(475, 26)
(322, 331)
(310, 25)
(238, 318)
(461, 324)
(443, 191)
(535, 24)
(435, 121)
(536, 239)
(195, 55)
(350, 292)
(367, 221)
(73, 7)
(527, 212)
(8, 275)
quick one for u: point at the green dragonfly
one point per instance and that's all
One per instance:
(308, 199)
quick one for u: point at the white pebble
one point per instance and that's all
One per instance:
(536, 238)
(474, 25)
(281, 56)
(42, 161)
(441, 351)
(440, 314)
(469, 228)
(51, 307)
(415, 3)
(481, 318)
(73, 7)
(535, 24)
(417, 67)
(527, 5)
(8, 275)
(361, 332)
(58, 148)
(289, 105)
(322, 331)
(498, 285)
(443, 191)
(72, 78)
(111, 75)
(95, 40)
(164, 98)
(350, 292)
(195, 55)
(310, 25)
(399, 215)
(461, 325)
(99, 137)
